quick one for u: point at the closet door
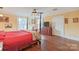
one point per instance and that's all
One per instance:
(58, 25)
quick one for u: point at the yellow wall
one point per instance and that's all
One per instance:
(72, 28)
(12, 20)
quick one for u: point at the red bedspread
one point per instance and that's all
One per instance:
(16, 40)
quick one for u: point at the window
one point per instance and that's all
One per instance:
(22, 23)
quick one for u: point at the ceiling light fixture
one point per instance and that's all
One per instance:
(34, 11)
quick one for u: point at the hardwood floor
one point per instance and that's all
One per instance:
(34, 48)
(55, 43)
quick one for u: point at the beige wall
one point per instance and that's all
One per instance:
(72, 28)
(12, 20)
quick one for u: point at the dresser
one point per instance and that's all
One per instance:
(46, 31)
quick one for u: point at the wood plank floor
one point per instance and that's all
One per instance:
(55, 43)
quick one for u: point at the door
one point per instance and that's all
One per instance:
(58, 25)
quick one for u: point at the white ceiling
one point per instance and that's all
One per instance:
(27, 11)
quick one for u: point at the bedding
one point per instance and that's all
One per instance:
(16, 40)
(2, 34)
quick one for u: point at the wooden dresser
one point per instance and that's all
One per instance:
(46, 31)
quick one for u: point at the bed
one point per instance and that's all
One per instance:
(16, 40)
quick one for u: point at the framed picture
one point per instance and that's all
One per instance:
(66, 20)
(7, 19)
(75, 20)
(4, 19)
